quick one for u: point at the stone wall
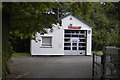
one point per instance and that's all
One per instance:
(111, 62)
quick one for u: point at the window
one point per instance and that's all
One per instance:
(47, 41)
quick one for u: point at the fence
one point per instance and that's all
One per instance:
(97, 68)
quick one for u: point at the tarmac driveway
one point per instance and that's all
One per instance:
(52, 67)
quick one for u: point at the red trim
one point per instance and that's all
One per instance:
(74, 27)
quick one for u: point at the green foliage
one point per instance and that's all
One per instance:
(106, 32)
(82, 9)
(27, 18)
(104, 17)
(98, 52)
(65, 7)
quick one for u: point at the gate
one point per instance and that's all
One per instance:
(97, 67)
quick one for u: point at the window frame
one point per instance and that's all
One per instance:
(42, 42)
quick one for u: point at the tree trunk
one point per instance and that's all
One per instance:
(5, 40)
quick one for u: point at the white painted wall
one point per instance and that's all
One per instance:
(75, 22)
(89, 43)
(57, 44)
(58, 38)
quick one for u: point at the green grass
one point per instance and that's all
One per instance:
(98, 52)
(21, 55)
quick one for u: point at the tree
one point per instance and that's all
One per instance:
(82, 9)
(102, 16)
(106, 31)
(23, 19)
(27, 18)
(115, 22)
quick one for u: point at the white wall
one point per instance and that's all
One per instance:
(75, 22)
(58, 38)
(89, 43)
(57, 44)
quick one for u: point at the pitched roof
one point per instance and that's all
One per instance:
(79, 18)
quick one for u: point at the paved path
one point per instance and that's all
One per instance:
(52, 67)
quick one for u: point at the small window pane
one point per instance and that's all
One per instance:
(82, 48)
(46, 41)
(67, 48)
(67, 44)
(74, 48)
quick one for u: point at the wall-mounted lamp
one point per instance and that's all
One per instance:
(89, 31)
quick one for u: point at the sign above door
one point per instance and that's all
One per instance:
(74, 27)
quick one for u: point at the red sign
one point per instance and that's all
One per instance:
(74, 27)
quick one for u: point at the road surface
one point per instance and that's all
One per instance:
(51, 67)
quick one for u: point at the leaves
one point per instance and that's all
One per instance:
(82, 9)
(101, 15)
(27, 18)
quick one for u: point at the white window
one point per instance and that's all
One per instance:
(46, 41)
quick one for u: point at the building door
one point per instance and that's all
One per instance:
(74, 46)
(75, 42)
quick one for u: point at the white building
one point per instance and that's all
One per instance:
(72, 38)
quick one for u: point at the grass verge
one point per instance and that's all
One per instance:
(98, 52)
(21, 55)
